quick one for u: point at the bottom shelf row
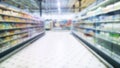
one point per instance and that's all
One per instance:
(110, 49)
(12, 41)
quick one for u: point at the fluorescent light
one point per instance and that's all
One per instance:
(59, 6)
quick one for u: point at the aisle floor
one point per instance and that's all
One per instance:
(54, 50)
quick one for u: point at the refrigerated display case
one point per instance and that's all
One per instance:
(100, 28)
(16, 29)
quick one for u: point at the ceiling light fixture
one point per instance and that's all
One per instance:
(59, 6)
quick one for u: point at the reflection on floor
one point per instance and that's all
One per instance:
(54, 50)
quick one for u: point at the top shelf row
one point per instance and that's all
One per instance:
(6, 11)
(103, 10)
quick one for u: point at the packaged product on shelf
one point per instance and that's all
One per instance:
(116, 27)
(15, 36)
(1, 40)
(99, 10)
(107, 26)
(8, 12)
(8, 38)
(110, 18)
(20, 25)
(1, 11)
(6, 33)
(26, 21)
(1, 33)
(2, 26)
(1, 19)
(14, 42)
(101, 18)
(6, 18)
(117, 6)
(6, 46)
(11, 19)
(101, 33)
(108, 8)
(106, 34)
(16, 19)
(117, 17)
(115, 37)
(17, 31)
(1, 46)
(14, 13)
(11, 32)
(88, 32)
(8, 26)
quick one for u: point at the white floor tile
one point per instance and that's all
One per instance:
(54, 50)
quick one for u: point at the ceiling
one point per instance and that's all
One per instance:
(49, 6)
(52, 6)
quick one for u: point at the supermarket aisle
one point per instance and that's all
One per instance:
(54, 50)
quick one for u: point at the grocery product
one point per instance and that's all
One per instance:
(16, 27)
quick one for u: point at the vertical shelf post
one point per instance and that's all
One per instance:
(79, 5)
(40, 6)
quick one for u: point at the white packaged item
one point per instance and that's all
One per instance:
(117, 6)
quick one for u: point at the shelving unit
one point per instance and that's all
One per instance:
(102, 24)
(16, 29)
(105, 7)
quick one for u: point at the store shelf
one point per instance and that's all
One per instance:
(108, 31)
(9, 50)
(18, 42)
(97, 49)
(23, 40)
(100, 4)
(110, 21)
(103, 22)
(87, 28)
(13, 34)
(100, 22)
(16, 22)
(8, 7)
(115, 44)
(102, 30)
(104, 4)
(108, 39)
(16, 16)
(9, 40)
(17, 28)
